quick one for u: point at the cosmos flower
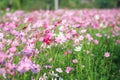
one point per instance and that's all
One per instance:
(87, 51)
(76, 41)
(12, 49)
(3, 56)
(98, 35)
(107, 54)
(15, 43)
(10, 68)
(81, 37)
(35, 68)
(52, 73)
(69, 51)
(27, 51)
(47, 66)
(68, 69)
(96, 42)
(74, 61)
(117, 42)
(60, 38)
(43, 77)
(3, 72)
(47, 40)
(9, 41)
(78, 48)
(1, 35)
(97, 16)
(89, 37)
(59, 70)
(83, 31)
(23, 67)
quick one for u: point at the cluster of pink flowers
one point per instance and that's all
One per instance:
(20, 32)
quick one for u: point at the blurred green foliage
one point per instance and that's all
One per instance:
(106, 3)
(49, 4)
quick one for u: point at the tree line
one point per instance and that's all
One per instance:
(49, 4)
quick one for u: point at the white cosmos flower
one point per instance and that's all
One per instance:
(83, 31)
(44, 77)
(1, 35)
(53, 74)
(78, 48)
(60, 78)
(59, 70)
(97, 17)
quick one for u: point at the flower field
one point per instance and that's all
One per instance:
(60, 45)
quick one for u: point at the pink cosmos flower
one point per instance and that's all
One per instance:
(12, 49)
(98, 35)
(47, 66)
(41, 38)
(87, 51)
(107, 54)
(81, 37)
(96, 42)
(117, 41)
(1, 45)
(28, 51)
(3, 72)
(68, 35)
(15, 43)
(69, 51)
(75, 61)
(35, 68)
(14, 32)
(76, 41)
(60, 38)
(10, 68)
(3, 56)
(83, 31)
(68, 69)
(23, 67)
(88, 36)
(9, 41)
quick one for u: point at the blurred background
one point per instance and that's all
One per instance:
(57, 4)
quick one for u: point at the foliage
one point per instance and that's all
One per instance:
(49, 4)
(106, 3)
